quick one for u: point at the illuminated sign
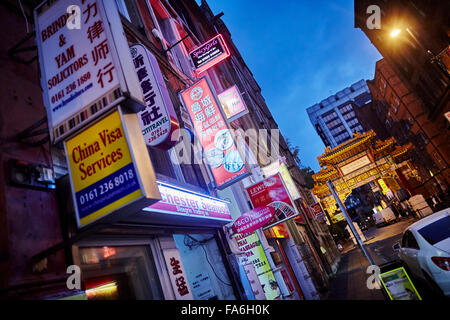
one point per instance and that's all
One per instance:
(355, 165)
(384, 188)
(280, 167)
(209, 54)
(177, 201)
(232, 103)
(317, 210)
(82, 75)
(222, 155)
(272, 192)
(253, 219)
(158, 120)
(103, 175)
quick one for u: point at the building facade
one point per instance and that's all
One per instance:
(406, 118)
(155, 253)
(334, 118)
(417, 57)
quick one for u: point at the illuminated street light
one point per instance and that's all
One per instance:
(395, 33)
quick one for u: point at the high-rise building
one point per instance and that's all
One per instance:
(335, 119)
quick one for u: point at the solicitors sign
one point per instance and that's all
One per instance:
(105, 171)
(222, 154)
(79, 43)
(158, 120)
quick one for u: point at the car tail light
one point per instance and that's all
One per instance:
(442, 262)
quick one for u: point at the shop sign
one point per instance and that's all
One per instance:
(222, 155)
(82, 75)
(209, 54)
(253, 219)
(176, 201)
(398, 285)
(177, 274)
(280, 167)
(250, 244)
(355, 165)
(384, 188)
(104, 178)
(272, 192)
(317, 211)
(158, 120)
(232, 103)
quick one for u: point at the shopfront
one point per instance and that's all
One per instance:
(172, 250)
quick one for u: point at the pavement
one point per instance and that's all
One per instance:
(350, 280)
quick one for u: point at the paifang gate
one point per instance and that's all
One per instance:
(356, 162)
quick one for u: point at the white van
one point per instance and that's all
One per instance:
(384, 216)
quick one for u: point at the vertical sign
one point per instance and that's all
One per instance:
(158, 120)
(103, 175)
(250, 244)
(272, 192)
(215, 136)
(232, 103)
(177, 275)
(82, 76)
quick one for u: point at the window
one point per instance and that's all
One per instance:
(129, 9)
(408, 241)
(436, 231)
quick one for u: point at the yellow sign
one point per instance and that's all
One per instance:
(398, 285)
(103, 175)
(383, 186)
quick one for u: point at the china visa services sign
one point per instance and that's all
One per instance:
(109, 173)
(79, 43)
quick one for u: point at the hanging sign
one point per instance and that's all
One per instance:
(232, 103)
(209, 54)
(317, 211)
(103, 175)
(272, 192)
(81, 73)
(175, 201)
(158, 120)
(253, 219)
(222, 154)
(280, 167)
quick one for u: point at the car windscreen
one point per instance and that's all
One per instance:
(436, 231)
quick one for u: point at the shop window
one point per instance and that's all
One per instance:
(120, 273)
(204, 267)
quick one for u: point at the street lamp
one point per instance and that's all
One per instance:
(432, 57)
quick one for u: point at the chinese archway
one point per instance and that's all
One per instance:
(358, 161)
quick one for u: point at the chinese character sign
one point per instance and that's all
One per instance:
(177, 275)
(158, 120)
(272, 192)
(222, 155)
(79, 74)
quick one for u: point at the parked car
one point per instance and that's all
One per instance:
(425, 250)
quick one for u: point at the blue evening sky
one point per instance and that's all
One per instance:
(300, 52)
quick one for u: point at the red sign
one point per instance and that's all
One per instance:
(317, 210)
(272, 192)
(253, 219)
(209, 54)
(215, 136)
